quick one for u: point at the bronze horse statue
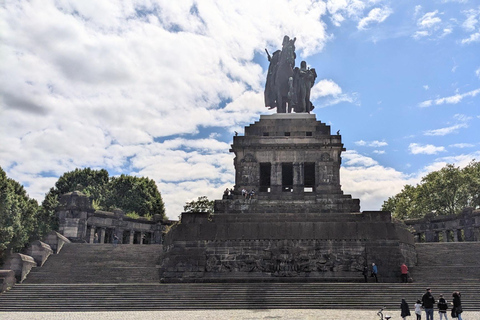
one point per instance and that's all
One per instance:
(279, 91)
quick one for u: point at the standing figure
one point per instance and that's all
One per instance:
(304, 79)
(428, 301)
(115, 240)
(405, 310)
(365, 273)
(418, 309)
(404, 271)
(457, 305)
(374, 271)
(95, 238)
(442, 307)
(270, 100)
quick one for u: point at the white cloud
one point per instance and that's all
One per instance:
(445, 131)
(374, 144)
(376, 15)
(379, 151)
(477, 72)
(377, 144)
(470, 24)
(475, 37)
(416, 148)
(462, 145)
(420, 34)
(329, 93)
(426, 87)
(98, 85)
(450, 100)
(364, 178)
(429, 20)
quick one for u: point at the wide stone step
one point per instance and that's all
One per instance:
(97, 297)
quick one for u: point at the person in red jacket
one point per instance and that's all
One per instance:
(404, 270)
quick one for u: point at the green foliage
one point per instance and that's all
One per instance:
(443, 192)
(131, 194)
(135, 194)
(18, 215)
(201, 205)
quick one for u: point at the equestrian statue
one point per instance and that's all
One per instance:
(288, 87)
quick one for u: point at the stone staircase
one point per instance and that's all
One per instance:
(97, 277)
(99, 263)
(120, 297)
(447, 262)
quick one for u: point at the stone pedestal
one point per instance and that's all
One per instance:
(298, 226)
(7, 280)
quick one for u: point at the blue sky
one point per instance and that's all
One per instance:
(157, 88)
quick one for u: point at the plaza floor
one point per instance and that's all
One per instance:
(220, 314)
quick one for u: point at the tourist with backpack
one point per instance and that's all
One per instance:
(428, 301)
(442, 307)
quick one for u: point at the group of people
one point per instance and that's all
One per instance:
(427, 304)
(248, 195)
(373, 273)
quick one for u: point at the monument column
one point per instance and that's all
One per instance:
(132, 234)
(92, 234)
(102, 235)
(298, 182)
(455, 235)
(445, 236)
(276, 178)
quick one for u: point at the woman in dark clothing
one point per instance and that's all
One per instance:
(457, 305)
(405, 309)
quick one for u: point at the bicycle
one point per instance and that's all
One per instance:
(380, 314)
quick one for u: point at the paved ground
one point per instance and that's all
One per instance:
(218, 314)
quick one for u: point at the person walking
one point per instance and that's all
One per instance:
(374, 271)
(405, 310)
(427, 302)
(418, 309)
(442, 307)
(457, 305)
(404, 271)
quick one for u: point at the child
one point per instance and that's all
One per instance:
(418, 309)
(442, 307)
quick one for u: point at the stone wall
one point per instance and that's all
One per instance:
(284, 247)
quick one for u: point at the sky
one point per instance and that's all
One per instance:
(158, 88)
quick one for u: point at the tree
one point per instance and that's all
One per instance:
(201, 205)
(443, 192)
(18, 215)
(138, 195)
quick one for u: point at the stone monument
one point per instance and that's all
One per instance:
(286, 218)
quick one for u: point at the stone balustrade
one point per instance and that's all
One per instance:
(56, 241)
(39, 251)
(452, 228)
(20, 264)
